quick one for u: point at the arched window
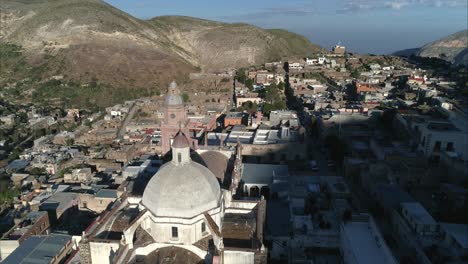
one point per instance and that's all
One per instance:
(179, 157)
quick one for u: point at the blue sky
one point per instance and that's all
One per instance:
(365, 26)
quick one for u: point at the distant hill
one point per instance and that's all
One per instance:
(407, 52)
(91, 41)
(215, 45)
(453, 48)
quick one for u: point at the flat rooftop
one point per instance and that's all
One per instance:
(419, 213)
(24, 226)
(38, 249)
(262, 173)
(239, 230)
(59, 201)
(105, 193)
(367, 247)
(234, 115)
(441, 127)
(458, 231)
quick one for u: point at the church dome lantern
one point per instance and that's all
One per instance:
(173, 97)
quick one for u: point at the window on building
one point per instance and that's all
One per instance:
(85, 204)
(175, 232)
(437, 146)
(179, 157)
(450, 146)
(203, 227)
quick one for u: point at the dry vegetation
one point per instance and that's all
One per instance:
(92, 44)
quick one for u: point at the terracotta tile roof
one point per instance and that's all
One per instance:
(364, 88)
(213, 226)
(170, 255)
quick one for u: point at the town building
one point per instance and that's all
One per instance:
(240, 100)
(97, 200)
(420, 221)
(433, 136)
(339, 50)
(60, 206)
(362, 243)
(235, 119)
(455, 239)
(184, 210)
(35, 223)
(83, 175)
(51, 249)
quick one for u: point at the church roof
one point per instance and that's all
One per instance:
(173, 97)
(216, 162)
(182, 190)
(174, 100)
(171, 254)
(180, 141)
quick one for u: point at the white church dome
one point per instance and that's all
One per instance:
(173, 97)
(181, 188)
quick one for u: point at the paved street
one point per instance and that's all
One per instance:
(127, 119)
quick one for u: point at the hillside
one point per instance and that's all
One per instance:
(89, 41)
(217, 45)
(453, 48)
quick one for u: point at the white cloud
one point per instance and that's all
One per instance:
(358, 5)
(395, 5)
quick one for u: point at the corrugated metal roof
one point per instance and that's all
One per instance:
(103, 193)
(38, 249)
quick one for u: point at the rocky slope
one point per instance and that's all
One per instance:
(453, 48)
(89, 40)
(216, 45)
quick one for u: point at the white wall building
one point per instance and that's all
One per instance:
(362, 243)
(183, 208)
(420, 221)
(438, 136)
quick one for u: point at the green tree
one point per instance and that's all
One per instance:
(240, 75)
(249, 84)
(8, 195)
(355, 73)
(185, 97)
(281, 85)
(14, 154)
(248, 106)
(267, 108)
(37, 171)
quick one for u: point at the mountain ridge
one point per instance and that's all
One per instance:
(452, 48)
(91, 39)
